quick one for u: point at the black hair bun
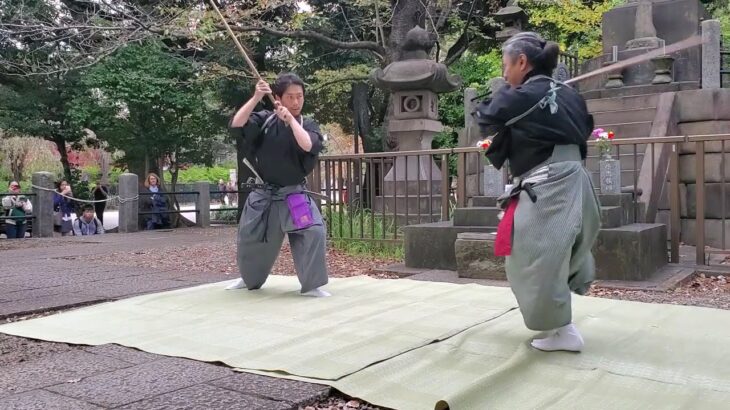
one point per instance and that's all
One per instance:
(548, 57)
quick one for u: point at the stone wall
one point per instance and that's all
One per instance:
(703, 112)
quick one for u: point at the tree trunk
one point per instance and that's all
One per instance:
(362, 122)
(406, 15)
(60, 142)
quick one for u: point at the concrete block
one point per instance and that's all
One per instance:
(43, 204)
(713, 167)
(695, 105)
(129, 206)
(208, 397)
(711, 35)
(612, 216)
(291, 391)
(713, 201)
(715, 229)
(483, 201)
(708, 127)
(475, 257)
(476, 216)
(665, 217)
(622, 103)
(43, 400)
(202, 219)
(624, 201)
(144, 381)
(49, 371)
(631, 252)
(432, 245)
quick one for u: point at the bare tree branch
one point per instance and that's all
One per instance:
(339, 80)
(462, 44)
(370, 46)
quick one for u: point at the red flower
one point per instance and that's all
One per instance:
(610, 135)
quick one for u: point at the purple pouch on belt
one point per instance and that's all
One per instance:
(301, 214)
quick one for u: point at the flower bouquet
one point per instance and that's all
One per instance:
(603, 142)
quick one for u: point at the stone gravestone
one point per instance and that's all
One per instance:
(610, 175)
(561, 73)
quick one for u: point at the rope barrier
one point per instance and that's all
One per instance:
(89, 201)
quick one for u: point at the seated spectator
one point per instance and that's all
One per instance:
(88, 223)
(15, 205)
(63, 207)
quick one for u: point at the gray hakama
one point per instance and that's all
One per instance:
(265, 220)
(282, 165)
(552, 239)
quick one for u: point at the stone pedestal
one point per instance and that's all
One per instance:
(610, 175)
(202, 219)
(43, 205)
(412, 176)
(128, 203)
(630, 252)
(475, 257)
(662, 70)
(711, 34)
(493, 182)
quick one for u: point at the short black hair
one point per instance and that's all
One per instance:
(283, 81)
(87, 207)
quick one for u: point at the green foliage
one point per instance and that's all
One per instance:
(149, 104)
(198, 173)
(346, 228)
(330, 93)
(575, 25)
(720, 10)
(475, 71)
(229, 216)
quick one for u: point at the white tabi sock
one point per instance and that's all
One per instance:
(317, 293)
(565, 338)
(239, 284)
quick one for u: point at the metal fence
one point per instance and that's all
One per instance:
(725, 68)
(371, 197)
(571, 62)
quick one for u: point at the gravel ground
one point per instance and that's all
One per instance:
(221, 258)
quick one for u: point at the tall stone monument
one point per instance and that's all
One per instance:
(651, 24)
(414, 82)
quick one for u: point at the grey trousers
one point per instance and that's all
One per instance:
(264, 222)
(552, 242)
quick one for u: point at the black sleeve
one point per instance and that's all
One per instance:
(315, 134)
(252, 129)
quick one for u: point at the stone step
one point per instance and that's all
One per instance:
(484, 201)
(630, 252)
(612, 216)
(638, 90)
(432, 245)
(622, 103)
(638, 129)
(475, 257)
(476, 216)
(625, 115)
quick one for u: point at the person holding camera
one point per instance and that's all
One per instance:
(16, 206)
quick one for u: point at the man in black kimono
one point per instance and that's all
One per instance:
(283, 147)
(552, 216)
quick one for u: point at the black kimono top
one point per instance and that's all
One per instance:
(529, 142)
(270, 146)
